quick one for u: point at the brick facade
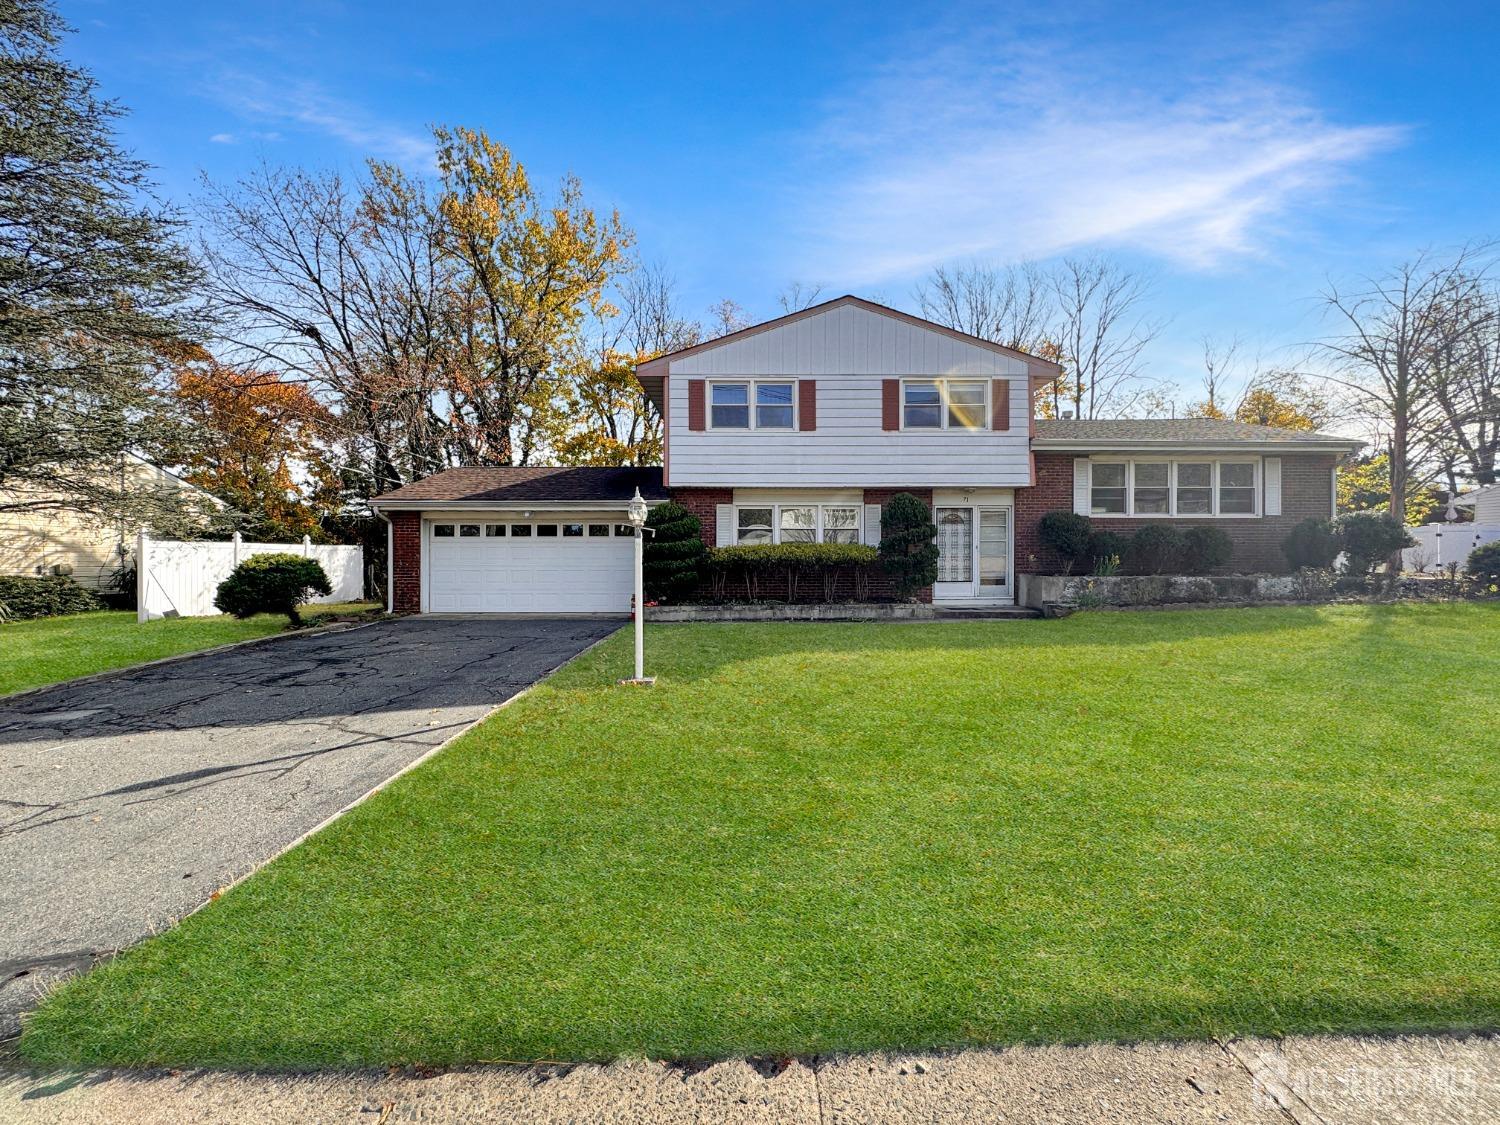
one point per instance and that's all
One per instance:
(406, 565)
(1306, 490)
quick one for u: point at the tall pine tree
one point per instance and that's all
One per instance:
(92, 278)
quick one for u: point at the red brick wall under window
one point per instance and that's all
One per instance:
(406, 565)
(1306, 490)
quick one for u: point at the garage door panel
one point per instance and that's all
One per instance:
(535, 574)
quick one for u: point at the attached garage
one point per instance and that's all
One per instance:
(515, 540)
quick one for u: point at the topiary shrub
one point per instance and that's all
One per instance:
(908, 551)
(1312, 544)
(1483, 567)
(272, 583)
(1156, 548)
(23, 597)
(1205, 549)
(1067, 533)
(1368, 539)
(672, 559)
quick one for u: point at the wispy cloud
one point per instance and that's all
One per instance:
(1005, 149)
(306, 105)
(222, 139)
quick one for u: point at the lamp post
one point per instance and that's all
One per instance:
(637, 513)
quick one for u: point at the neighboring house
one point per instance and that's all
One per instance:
(799, 429)
(64, 540)
(1485, 502)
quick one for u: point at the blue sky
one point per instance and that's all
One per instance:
(1240, 153)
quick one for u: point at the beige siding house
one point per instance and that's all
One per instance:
(65, 541)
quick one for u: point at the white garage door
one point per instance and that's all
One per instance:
(529, 567)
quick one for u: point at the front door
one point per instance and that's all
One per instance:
(973, 555)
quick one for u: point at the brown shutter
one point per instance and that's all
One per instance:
(807, 404)
(695, 404)
(890, 404)
(1000, 404)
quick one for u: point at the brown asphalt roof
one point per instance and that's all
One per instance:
(532, 484)
(1176, 429)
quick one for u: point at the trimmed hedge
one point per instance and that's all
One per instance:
(1205, 549)
(1313, 543)
(272, 583)
(51, 595)
(1157, 548)
(821, 562)
(1483, 567)
(1369, 539)
(1068, 534)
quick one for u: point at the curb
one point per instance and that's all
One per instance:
(178, 658)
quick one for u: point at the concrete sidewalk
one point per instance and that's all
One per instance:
(1432, 1080)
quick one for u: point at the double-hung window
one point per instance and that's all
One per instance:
(944, 404)
(797, 523)
(1172, 488)
(752, 404)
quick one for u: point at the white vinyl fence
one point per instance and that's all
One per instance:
(1439, 544)
(178, 579)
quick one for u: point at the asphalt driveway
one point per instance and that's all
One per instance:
(124, 804)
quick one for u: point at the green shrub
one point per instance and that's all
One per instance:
(1156, 548)
(672, 559)
(908, 552)
(1368, 539)
(1105, 545)
(1205, 549)
(1313, 543)
(1483, 567)
(822, 562)
(49, 596)
(272, 583)
(1068, 534)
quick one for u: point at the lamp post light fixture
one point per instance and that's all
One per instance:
(637, 514)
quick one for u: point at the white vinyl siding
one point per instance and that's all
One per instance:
(850, 352)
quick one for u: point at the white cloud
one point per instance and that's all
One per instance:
(306, 105)
(991, 150)
(222, 138)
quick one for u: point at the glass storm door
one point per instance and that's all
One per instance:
(994, 552)
(955, 542)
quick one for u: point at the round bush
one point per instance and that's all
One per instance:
(1067, 533)
(1367, 539)
(1206, 549)
(1156, 548)
(672, 559)
(1483, 567)
(274, 583)
(1106, 545)
(1312, 543)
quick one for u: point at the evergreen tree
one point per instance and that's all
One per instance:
(91, 278)
(673, 557)
(908, 551)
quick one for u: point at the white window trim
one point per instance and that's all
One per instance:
(708, 405)
(986, 418)
(818, 506)
(1130, 513)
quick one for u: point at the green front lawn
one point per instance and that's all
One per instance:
(50, 649)
(818, 837)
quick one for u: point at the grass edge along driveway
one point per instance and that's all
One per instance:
(810, 838)
(49, 650)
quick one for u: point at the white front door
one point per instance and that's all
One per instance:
(973, 554)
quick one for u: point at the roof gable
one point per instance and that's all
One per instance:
(847, 336)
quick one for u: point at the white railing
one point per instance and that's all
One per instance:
(1442, 544)
(179, 579)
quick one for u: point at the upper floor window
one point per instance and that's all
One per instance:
(1172, 488)
(752, 405)
(944, 404)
